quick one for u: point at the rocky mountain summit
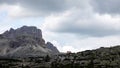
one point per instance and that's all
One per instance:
(24, 42)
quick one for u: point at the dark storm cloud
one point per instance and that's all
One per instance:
(41, 7)
(45, 7)
(51, 6)
(106, 6)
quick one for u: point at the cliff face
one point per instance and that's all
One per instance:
(24, 33)
(23, 42)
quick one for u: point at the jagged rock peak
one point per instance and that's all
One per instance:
(26, 34)
(25, 30)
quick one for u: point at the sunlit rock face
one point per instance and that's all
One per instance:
(24, 42)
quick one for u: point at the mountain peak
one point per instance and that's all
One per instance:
(25, 30)
(25, 41)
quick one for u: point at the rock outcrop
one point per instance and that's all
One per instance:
(52, 47)
(24, 42)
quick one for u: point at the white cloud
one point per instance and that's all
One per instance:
(64, 48)
(69, 48)
(84, 22)
(90, 43)
(12, 10)
(94, 43)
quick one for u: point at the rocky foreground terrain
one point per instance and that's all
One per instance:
(25, 48)
(99, 58)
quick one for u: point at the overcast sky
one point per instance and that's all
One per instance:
(71, 25)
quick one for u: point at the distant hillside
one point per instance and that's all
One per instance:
(99, 58)
(23, 42)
